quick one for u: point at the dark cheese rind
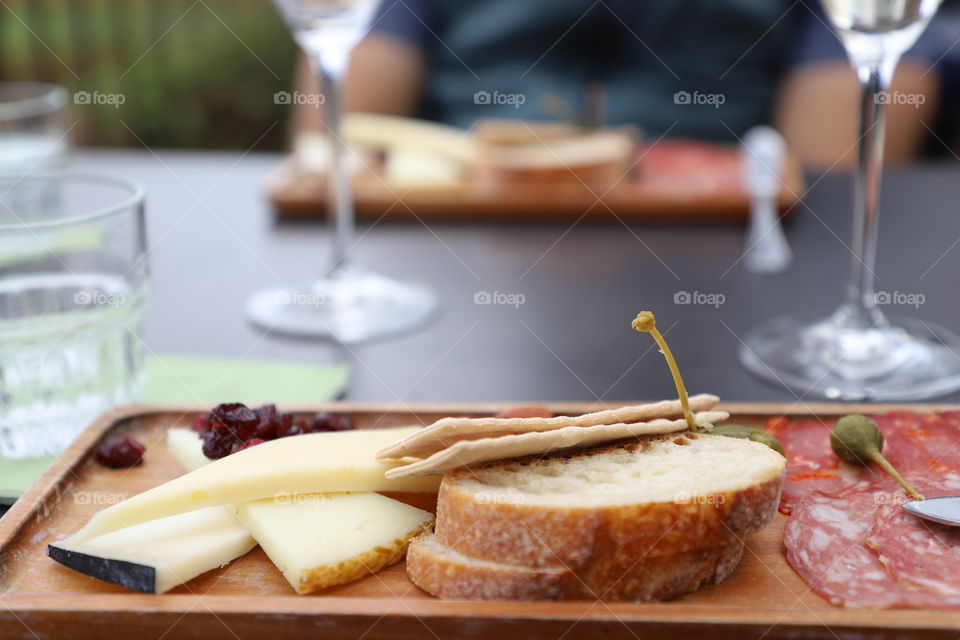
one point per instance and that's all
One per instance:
(126, 574)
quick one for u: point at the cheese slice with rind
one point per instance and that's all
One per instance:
(318, 462)
(156, 556)
(321, 540)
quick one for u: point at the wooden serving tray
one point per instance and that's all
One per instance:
(249, 598)
(663, 190)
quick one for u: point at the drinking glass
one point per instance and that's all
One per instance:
(348, 302)
(73, 289)
(32, 137)
(858, 353)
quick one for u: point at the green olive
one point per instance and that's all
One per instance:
(856, 439)
(748, 433)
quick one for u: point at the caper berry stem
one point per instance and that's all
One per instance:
(889, 468)
(646, 323)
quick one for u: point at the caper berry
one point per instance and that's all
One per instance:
(748, 433)
(856, 439)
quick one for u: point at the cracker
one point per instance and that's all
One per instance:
(448, 431)
(465, 453)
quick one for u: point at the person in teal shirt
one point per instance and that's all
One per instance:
(703, 69)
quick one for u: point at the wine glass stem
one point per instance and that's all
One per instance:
(339, 195)
(874, 80)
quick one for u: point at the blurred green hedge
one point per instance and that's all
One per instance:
(191, 73)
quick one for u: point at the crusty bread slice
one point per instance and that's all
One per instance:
(446, 573)
(609, 506)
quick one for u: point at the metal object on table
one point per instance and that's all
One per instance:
(767, 250)
(945, 510)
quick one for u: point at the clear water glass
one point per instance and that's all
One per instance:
(33, 136)
(73, 291)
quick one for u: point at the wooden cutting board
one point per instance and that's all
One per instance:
(249, 598)
(673, 180)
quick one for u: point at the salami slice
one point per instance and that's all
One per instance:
(825, 541)
(811, 464)
(921, 443)
(919, 554)
(915, 443)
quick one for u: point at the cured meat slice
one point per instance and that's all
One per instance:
(811, 464)
(825, 540)
(920, 443)
(917, 553)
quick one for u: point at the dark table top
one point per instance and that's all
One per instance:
(214, 241)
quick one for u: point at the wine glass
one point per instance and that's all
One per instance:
(348, 302)
(857, 353)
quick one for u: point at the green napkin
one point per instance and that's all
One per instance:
(207, 380)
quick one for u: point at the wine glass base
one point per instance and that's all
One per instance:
(350, 305)
(905, 360)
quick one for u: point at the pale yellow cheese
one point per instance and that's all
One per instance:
(322, 540)
(317, 462)
(417, 169)
(178, 548)
(312, 538)
(186, 446)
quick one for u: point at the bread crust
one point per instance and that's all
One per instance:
(578, 538)
(445, 573)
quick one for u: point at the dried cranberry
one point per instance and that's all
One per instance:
(201, 424)
(271, 422)
(331, 422)
(526, 412)
(295, 428)
(218, 443)
(246, 444)
(241, 419)
(121, 452)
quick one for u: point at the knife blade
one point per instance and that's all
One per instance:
(945, 510)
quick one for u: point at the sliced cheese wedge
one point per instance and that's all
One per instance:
(312, 538)
(317, 462)
(156, 556)
(322, 540)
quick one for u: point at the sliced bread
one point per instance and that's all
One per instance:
(604, 508)
(449, 574)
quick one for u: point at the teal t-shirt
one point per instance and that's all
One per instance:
(701, 68)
